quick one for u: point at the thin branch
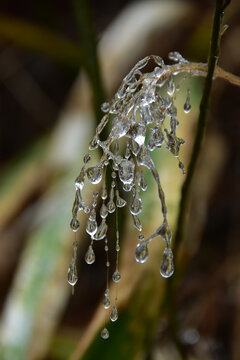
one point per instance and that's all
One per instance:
(200, 131)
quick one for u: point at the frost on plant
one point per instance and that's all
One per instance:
(142, 117)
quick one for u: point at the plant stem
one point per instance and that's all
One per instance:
(200, 131)
(89, 47)
(202, 120)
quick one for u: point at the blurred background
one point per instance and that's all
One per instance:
(52, 82)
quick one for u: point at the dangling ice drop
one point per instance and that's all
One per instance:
(116, 276)
(105, 334)
(72, 274)
(114, 313)
(141, 253)
(94, 174)
(90, 255)
(187, 106)
(74, 224)
(167, 267)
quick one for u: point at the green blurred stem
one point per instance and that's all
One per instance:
(40, 39)
(202, 120)
(200, 131)
(86, 29)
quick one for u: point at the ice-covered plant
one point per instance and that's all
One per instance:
(142, 117)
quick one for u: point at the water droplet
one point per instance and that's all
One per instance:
(181, 166)
(127, 187)
(167, 267)
(141, 253)
(111, 207)
(91, 225)
(106, 302)
(105, 334)
(156, 138)
(126, 171)
(136, 205)
(171, 87)
(103, 211)
(93, 143)
(143, 183)
(105, 107)
(187, 106)
(116, 276)
(95, 197)
(101, 231)
(86, 158)
(79, 182)
(139, 133)
(94, 174)
(114, 313)
(104, 193)
(120, 202)
(72, 274)
(74, 224)
(137, 223)
(135, 147)
(90, 256)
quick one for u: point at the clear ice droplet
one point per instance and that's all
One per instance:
(91, 227)
(101, 231)
(72, 274)
(137, 223)
(94, 174)
(114, 313)
(136, 205)
(86, 158)
(187, 106)
(103, 211)
(105, 334)
(167, 267)
(90, 255)
(116, 276)
(74, 224)
(126, 171)
(106, 302)
(171, 87)
(141, 253)
(105, 107)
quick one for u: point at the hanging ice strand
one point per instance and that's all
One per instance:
(143, 117)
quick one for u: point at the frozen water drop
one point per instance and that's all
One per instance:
(111, 207)
(120, 202)
(90, 256)
(187, 106)
(93, 143)
(137, 223)
(171, 87)
(105, 334)
(167, 266)
(79, 182)
(141, 253)
(72, 274)
(139, 133)
(74, 224)
(101, 231)
(94, 174)
(127, 187)
(126, 171)
(103, 211)
(86, 158)
(114, 313)
(143, 183)
(116, 276)
(136, 205)
(106, 302)
(91, 226)
(104, 193)
(105, 107)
